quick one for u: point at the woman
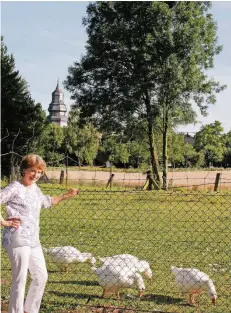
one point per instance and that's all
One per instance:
(23, 201)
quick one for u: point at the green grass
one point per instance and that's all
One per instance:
(164, 228)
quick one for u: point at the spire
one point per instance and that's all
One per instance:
(57, 87)
(57, 108)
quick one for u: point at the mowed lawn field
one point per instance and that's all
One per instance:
(164, 228)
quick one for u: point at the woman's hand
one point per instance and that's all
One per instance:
(12, 222)
(71, 193)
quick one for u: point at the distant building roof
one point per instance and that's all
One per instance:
(189, 139)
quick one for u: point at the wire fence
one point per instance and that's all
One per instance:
(195, 180)
(188, 230)
(110, 177)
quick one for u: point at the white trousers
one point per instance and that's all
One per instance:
(24, 259)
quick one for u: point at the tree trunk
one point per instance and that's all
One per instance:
(165, 150)
(165, 158)
(153, 154)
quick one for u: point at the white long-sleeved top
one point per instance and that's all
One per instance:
(24, 203)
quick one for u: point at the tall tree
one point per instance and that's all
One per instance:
(22, 118)
(113, 82)
(135, 135)
(128, 145)
(50, 143)
(227, 154)
(210, 139)
(81, 140)
(188, 43)
(145, 59)
(117, 151)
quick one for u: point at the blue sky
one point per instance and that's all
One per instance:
(47, 37)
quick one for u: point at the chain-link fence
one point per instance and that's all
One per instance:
(187, 230)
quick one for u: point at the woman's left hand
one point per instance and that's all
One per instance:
(13, 222)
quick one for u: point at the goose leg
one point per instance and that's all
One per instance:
(192, 299)
(104, 293)
(140, 293)
(64, 268)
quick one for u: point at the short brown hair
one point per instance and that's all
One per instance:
(31, 160)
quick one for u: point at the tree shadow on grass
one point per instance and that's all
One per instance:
(161, 299)
(74, 295)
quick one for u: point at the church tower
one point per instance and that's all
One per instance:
(57, 108)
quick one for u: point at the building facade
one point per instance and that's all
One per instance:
(57, 108)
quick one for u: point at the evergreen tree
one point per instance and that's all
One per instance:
(22, 119)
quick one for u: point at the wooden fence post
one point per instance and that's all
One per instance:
(217, 181)
(66, 170)
(61, 179)
(110, 180)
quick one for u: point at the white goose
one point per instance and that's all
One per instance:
(193, 281)
(112, 278)
(128, 260)
(121, 256)
(68, 254)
